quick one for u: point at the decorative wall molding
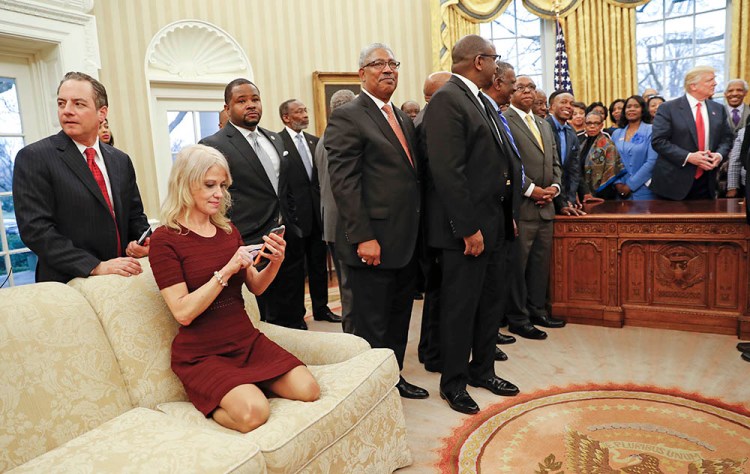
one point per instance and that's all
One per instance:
(70, 11)
(195, 51)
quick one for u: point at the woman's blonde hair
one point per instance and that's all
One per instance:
(188, 171)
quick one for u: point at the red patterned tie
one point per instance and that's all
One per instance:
(99, 177)
(701, 136)
(397, 130)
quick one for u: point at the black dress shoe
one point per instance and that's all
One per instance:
(745, 356)
(496, 385)
(505, 338)
(407, 390)
(418, 295)
(528, 331)
(327, 315)
(500, 355)
(461, 401)
(547, 321)
(743, 347)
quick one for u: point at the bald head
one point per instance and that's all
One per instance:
(435, 81)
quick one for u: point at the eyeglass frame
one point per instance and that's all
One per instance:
(493, 56)
(373, 64)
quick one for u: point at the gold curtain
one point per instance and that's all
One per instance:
(600, 40)
(739, 54)
(452, 19)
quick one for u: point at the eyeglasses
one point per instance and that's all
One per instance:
(379, 65)
(493, 56)
(593, 124)
(530, 88)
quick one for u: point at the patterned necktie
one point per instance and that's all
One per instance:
(701, 131)
(534, 131)
(512, 142)
(99, 178)
(735, 116)
(397, 130)
(265, 160)
(302, 149)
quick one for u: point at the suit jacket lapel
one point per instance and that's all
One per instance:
(687, 115)
(236, 138)
(371, 109)
(113, 171)
(714, 123)
(77, 163)
(512, 115)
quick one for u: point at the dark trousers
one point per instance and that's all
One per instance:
(429, 336)
(283, 302)
(529, 265)
(345, 291)
(381, 301)
(314, 252)
(472, 299)
(700, 189)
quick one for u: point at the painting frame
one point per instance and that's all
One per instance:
(324, 85)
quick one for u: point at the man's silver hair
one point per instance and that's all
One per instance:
(741, 81)
(341, 97)
(367, 51)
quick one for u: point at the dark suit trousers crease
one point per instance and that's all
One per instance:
(315, 253)
(473, 297)
(429, 336)
(529, 265)
(283, 302)
(381, 302)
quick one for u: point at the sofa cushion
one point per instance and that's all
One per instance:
(58, 375)
(140, 328)
(144, 440)
(297, 431)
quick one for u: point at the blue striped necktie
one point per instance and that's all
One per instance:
(512, 142)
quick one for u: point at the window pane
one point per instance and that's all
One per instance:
(24, 266)
(209, 123)
(516, 35)
(505, 25)
(9, 147)
(3, 273)
(651, 75)
(507, 49)
(650, 42)
(709, 35)
(679, 38)
(679, 7)
(652, 10)
(704, 5)
(675, 75)
(529, 56)
(716, 61)
(181, 130)
(10, 224)
(10, 116)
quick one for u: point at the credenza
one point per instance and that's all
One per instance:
(667, 264)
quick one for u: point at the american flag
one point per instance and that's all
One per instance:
(562, 74)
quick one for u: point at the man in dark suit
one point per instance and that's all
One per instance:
(260, 196)
(532, 249)
(374, 177)
(691, 134)
(566, 141)
(76, 199)
(330, 216)
(309, 251)
(474, 174)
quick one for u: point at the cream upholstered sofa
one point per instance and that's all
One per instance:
(86, 386)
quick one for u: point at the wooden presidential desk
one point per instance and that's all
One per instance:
(675, 265)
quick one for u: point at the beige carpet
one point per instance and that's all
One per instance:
(677, 362)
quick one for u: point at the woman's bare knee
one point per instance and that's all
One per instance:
(310, 391)
(252, 416)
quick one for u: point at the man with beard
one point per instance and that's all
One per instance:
(310, 251)
(260, 196)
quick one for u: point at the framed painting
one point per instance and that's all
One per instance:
(325, 84)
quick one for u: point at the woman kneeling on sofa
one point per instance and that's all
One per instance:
(200, 263)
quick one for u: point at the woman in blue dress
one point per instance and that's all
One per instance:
(633, 141)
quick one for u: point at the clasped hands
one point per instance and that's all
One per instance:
(704, 160)
(543, 196)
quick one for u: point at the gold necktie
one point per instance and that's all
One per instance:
(534, 131)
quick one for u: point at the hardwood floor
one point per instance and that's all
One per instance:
(707, 364)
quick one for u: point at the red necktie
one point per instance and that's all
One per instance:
(99, 177)
(701, 136)
(397, 130)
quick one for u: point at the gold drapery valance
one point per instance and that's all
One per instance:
(739, 60)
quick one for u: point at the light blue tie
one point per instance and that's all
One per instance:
(302, 149)
(512, 142)
(265, 160)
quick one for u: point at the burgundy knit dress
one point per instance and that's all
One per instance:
(221, 348)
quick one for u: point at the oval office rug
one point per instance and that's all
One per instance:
(602, 429)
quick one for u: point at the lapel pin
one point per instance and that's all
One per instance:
(273, 138)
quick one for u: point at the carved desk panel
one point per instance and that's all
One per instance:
(675, 265)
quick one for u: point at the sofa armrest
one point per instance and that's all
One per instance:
(315, 348)
(143, 440)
